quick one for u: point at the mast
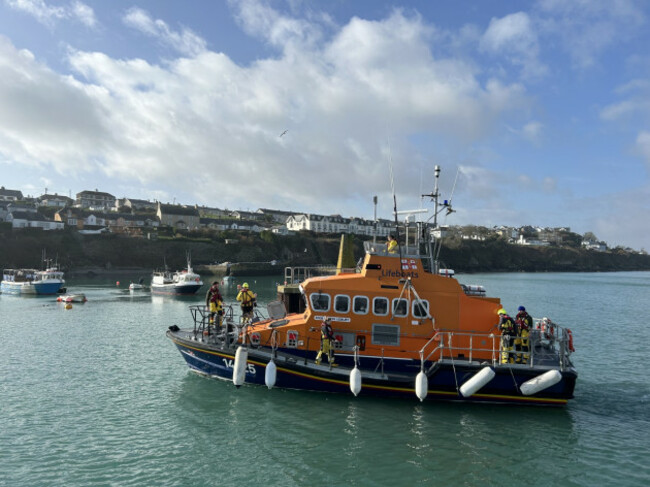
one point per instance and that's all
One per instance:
(434, 242)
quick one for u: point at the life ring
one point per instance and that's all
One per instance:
(570, 340)
(255, 338)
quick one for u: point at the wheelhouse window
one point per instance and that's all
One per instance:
(420, 308)
(385, 334)
(320, 301)
(360, 305)
(342, 303)
(400, 307)
(380, 306)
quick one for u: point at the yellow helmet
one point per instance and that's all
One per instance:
(502, 312)
(245, 285)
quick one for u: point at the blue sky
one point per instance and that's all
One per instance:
(538, 111)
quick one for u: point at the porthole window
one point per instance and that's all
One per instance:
(380, 306)
(342, 303)
(420, 308)
(400, 307)
(360, 305)
(320, 301)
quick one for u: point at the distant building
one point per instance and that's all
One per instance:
(31, 219)
(95, 200)
(279, 216)
(245, 215)
(10, 194)
(138, 205)
(54, 201)
(593, 245)
(533, 242)
(179, 216)
(220, 224)
(338, 224)
(208, 212)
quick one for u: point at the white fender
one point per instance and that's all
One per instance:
(421, 386)
(355, 380)
(270, 374)
(478, 380)
(239, 370)
(541, 382)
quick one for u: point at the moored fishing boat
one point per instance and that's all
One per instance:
(401, 328)
(32, 281)
(185, 282)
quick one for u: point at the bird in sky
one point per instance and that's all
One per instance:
(283, 133)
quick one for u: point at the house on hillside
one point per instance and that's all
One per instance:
(54, 201)
(95, 200)
(245, 215)
(179, 216)
(250, 226)
(337, 224)
(532, 242)
(138, 205)
(10, 194)
(594, 245)
(216, 223)
(279, 216)
(31, 219)
(208, 212)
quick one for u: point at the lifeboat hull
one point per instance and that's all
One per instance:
(398, 380)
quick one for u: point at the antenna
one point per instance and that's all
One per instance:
(392, 187)
(374, 237)
(453, 189)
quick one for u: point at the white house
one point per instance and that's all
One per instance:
(29, 219)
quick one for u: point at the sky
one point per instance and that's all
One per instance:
(537, 112)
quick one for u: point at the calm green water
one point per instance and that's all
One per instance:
(97, 396)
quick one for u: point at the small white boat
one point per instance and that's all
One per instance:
(136, 286)
(72, 298)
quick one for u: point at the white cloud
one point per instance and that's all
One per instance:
(49, 15)
(532, 132)
(589, 27)
(637, 101)
(514, 37)
(185, 42)
(210, 126)
(260, 20)
(643, 146)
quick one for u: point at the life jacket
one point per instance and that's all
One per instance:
(506, 325)
(246, 297)
(217, 300)
(524, 321)
(326, 330)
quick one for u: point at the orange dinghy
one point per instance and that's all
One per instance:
(395, 326)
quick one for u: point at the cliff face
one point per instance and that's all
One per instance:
(498, 256)
(76, 252)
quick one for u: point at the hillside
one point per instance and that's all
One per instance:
(101, 253)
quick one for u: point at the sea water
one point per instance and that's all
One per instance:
(96, 395)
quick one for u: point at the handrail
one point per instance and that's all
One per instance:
(543, 348)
